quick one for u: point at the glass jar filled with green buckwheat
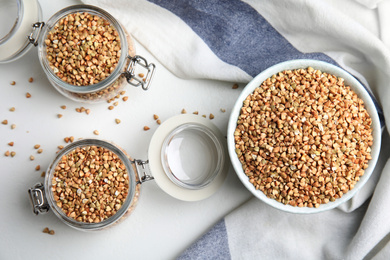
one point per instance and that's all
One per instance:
(86, 54)
(90, 185)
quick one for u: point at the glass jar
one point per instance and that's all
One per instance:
(43, 196)
(187, 156)
(107, 89)
(16, 18)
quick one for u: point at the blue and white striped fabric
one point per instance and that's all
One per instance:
(234, 40)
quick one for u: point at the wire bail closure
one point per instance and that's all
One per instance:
(36, 26)
(38, 199)
(130, 72)
(143, 170)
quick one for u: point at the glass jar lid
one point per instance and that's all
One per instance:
(191, 156)
(17, 19)
(187, 157)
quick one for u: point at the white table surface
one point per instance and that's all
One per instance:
(161, 227)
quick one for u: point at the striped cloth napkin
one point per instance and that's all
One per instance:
(234, 40)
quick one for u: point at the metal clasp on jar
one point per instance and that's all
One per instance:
(38, 199)
(143, 171)
(34, 36)
(132, 79)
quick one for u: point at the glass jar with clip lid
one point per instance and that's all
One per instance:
(92, 184)
(86, 54)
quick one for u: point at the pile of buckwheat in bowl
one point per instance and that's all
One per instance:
(304, 136)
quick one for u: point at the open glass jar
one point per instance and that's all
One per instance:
(16, 18)
(84, 51)
(92, 184)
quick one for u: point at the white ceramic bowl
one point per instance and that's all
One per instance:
(356, 86)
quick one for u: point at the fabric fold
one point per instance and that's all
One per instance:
(212, 245)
